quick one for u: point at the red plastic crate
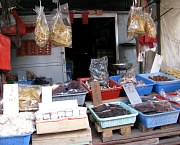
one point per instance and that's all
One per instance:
(106, 94)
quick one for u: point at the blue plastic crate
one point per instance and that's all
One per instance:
(142, 89)
(24, 82)
(23, 139)
(118, 120)
(167, 86)
(158, 119)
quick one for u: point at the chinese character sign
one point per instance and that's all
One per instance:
(10, 99)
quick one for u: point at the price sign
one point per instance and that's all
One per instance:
(10, 99)
(156, 64)
(46, 94)
(132, 94)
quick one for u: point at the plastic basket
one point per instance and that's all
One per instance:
(143, 89)
(167, 86)
(23, 139)
(106, 94)
(116, 121)
(158, 119)
(80, 97)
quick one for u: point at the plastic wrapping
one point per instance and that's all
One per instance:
(136, 23)
(29, 97)
(150, 26)
(128, 77)
(42, 32)
(61, 33)
(173, 97)
(99, 70)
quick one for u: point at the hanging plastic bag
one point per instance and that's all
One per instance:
(17, 25)
(5, 45)
(136, 23)
(61, 33)
(150, 27)
(42, 32)
(99, 70)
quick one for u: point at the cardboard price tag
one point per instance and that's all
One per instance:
(156, 64)
(10, 99)
(132, 94)
(46, 94)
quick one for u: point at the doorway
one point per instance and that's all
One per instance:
(94, 40)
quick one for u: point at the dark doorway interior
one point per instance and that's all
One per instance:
(93, 40)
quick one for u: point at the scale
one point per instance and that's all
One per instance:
(122, 67)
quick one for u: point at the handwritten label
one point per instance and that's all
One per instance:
(10, 99)
(132, 94)
(46, 94)
(156, 64)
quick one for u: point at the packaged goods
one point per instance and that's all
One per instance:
(61, 32)
(42, 32)
(29, 97)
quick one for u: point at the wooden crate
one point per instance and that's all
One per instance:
(62, 125)
(80, 137)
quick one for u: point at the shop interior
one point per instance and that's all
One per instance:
(90, 41)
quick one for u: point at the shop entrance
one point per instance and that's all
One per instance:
(93, 40)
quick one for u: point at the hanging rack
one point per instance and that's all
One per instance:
(155, 1)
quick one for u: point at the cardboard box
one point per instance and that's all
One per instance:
(62, 125)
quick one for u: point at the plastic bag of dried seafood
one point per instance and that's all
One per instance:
(99, 70)
(136, 22)
(61, 32)
(42, 32)
(150, 26)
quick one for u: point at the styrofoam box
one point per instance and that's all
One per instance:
(118, 120)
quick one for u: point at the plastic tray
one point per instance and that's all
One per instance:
(116, 121)
(143, 89)
(23, 139)
(80, 97)
(106, 94)
(159, 119)
(168, 86)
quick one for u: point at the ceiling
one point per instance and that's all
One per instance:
(27, 6)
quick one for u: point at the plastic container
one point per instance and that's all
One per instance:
(142, 89)
(24, 82)
(168, 86)
(80, 97)
(118, 120)
(106, 94)
(23, 139)
(158, 119)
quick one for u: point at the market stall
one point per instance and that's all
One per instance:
(139, 103)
